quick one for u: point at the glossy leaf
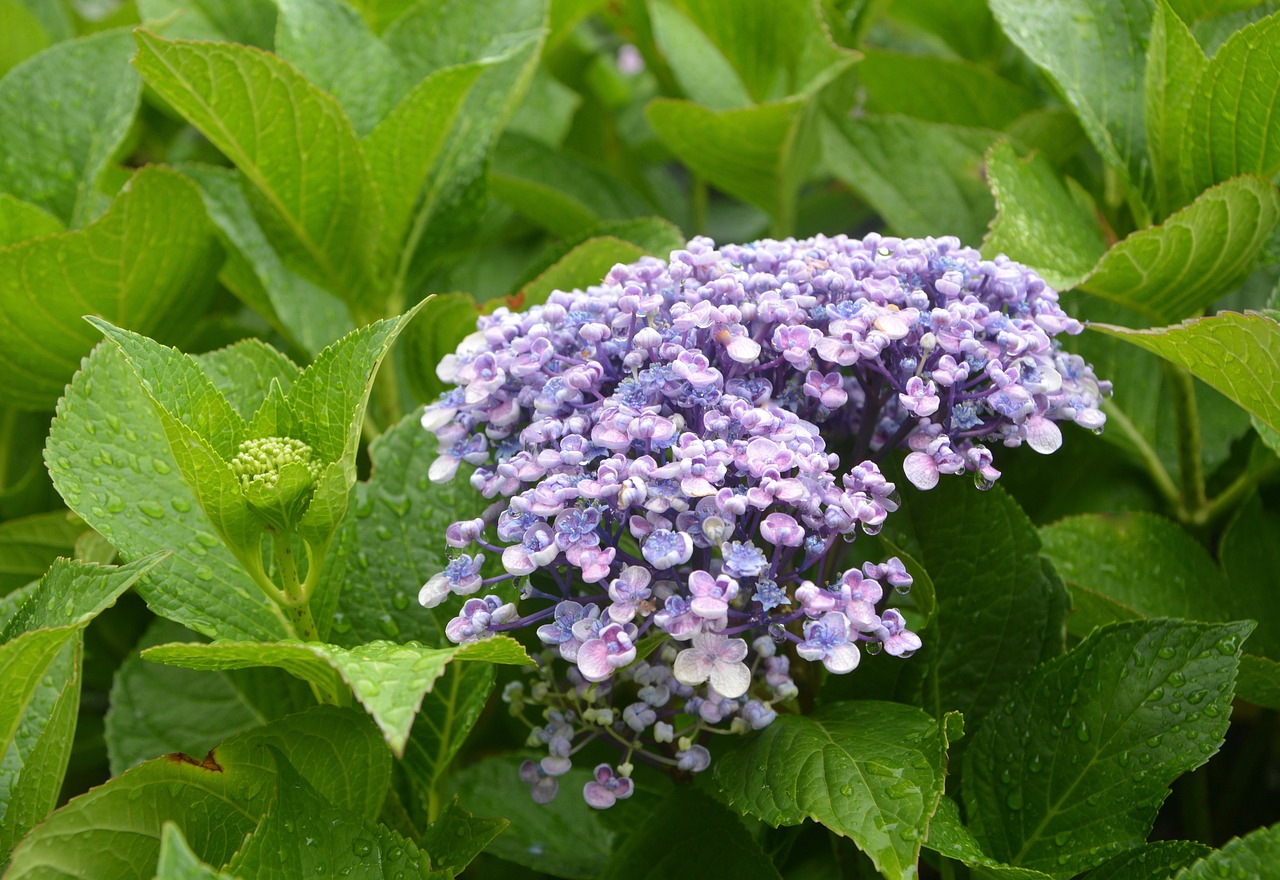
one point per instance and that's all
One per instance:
(1075, 764)
(871, 771)
(1238, 354)
(145, 265)
(389, 680)
(1175, 64)
(178, 862)
(29, 545)
(1158, 860)
(21, 220)
(941, 90)
(252, 22)
(449, 712)
(1254, 855)
(312, 188)
(64, 114)
(948, 837)
(457, 837)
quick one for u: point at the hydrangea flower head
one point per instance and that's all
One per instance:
(679, 456)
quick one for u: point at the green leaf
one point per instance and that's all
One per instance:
(1238, 354)
(1231, 126)
(447, 319)
(244, 371)
(993, 623)
(1250, 554)
(1094, 51)
(113, 831)
(252, 22)
(547, 111)
(147, 264)
(255, 271)
(1159, 860)
(389, 680)
(21, 220)
(156, 710)
(565, 838)
(1177, 269)
(73, 593)
(29, 545)
(1049, 224)
(22, 37)
(64, 113)
(758, 154)
(770, 50)
(329, 44)
(942, 90)
(304, 836)
(871, 771)
(683, 835)
(944, 194)
(457, 837)
(178, 862)
(311, 187)
(1259, 681)
(405, 145)
(948, 837)
(584, 266)
(967, 27)
(1075, 765)
(1175, 64)
(110, 461)
(1254, 855)
(562, 194)
(447, 715)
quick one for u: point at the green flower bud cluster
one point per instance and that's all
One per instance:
(258, 462)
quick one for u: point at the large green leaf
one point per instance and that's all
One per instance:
(1250, 554)
(1177, 269)
(302, 835)
(178, 862)
(457, 837)
(21, 220)
(232, 21)
(63, 115)
(448, 713)
(701, 69)
(685, 833)
(147, 264)
(872, 771)
(113, 832)
(566, 837)
(948, 837)
(1074, 766)
(944, 194)
(1159, 860)
(244, 371)
(110, 461)
(388, 679)
(1049, 224)
(1094, 50)
(1238, 354)
(394, 542)
(73, 593)
(1231, 124)
(1254, 855)
(993, 622)
(311, 186)
(943, 90)
(156, 710)
(1175, 63)
(760, 154)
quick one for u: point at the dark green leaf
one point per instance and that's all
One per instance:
(64, 114)
(1094, 50)
(147, 264)
(1041, 220)
(1175, 64)
(178, 862)
(1250, 554)
(389, 680)
(448, 713)
(1075, 764)
(110, 461)
(584, 266)
(948, 837)
(944, 193)
(73, 593)
(1254, 855)
(29, 545)
(447, 319)
(113, 832)
(941, 90)
(156, 710)
(1231, 127)
(565, 837)
(1238, 354)
(1151, 861)
(312, 189)
(871, 771)
(683, 835)
(457, 837)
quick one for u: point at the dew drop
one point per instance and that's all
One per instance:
(151, 508)
(1014, 801)
(181, 505)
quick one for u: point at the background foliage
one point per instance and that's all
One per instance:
(250, 181)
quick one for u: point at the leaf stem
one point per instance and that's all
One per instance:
(1187, 420)
(1146, 454)
(1230, 497)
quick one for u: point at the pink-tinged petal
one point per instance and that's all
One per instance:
(709, 607)
(593, 660)
(842, 658)
(691, 666)
(733, 651)
(1043, 435)
(624, 788)
(743, 350)
(516, 560)
(598, 796)
(921, 470)
(730, 680)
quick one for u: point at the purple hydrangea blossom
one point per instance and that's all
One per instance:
(681, 453)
